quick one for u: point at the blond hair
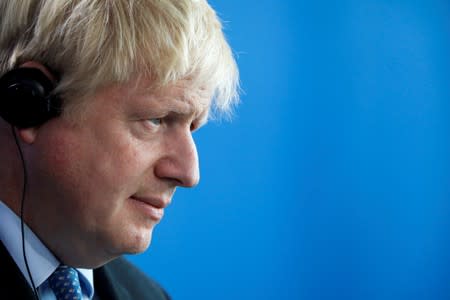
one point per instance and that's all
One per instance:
(94, 43)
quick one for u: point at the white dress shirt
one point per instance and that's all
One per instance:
(41, 261)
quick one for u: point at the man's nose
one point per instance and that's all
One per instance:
(181, 162)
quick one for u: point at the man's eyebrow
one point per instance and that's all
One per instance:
(184, 108)
(198, 118)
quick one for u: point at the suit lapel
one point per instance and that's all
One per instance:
(13, 284)
(106, 287)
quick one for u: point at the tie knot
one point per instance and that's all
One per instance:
(65, 283)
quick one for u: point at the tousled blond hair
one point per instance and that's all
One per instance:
(94, 43)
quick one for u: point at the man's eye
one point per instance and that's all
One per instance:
(155, 121)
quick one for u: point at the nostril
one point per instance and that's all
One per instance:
(183, 170)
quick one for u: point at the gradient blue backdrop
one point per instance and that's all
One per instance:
(332, 181)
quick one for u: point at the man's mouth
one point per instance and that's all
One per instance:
(152, 207)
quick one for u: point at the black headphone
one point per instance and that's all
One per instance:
(27, 99)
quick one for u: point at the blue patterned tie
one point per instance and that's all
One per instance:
(65, 284)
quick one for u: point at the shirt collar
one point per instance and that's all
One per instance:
(41, 261)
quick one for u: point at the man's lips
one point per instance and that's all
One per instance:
(153, 207)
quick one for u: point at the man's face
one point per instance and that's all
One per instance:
(98, 186)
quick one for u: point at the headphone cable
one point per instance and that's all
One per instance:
(22, 209)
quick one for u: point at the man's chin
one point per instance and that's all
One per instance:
(140, 244)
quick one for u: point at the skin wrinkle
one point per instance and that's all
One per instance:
(187, 106)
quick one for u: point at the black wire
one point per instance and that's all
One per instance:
(22, 209)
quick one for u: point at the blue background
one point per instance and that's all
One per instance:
(332, 180)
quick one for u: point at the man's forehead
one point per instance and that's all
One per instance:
(182, 97)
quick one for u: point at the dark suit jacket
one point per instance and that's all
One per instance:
(116, 280)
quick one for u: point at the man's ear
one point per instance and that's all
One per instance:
(27, 135)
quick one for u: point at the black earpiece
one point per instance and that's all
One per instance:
(26, 98)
